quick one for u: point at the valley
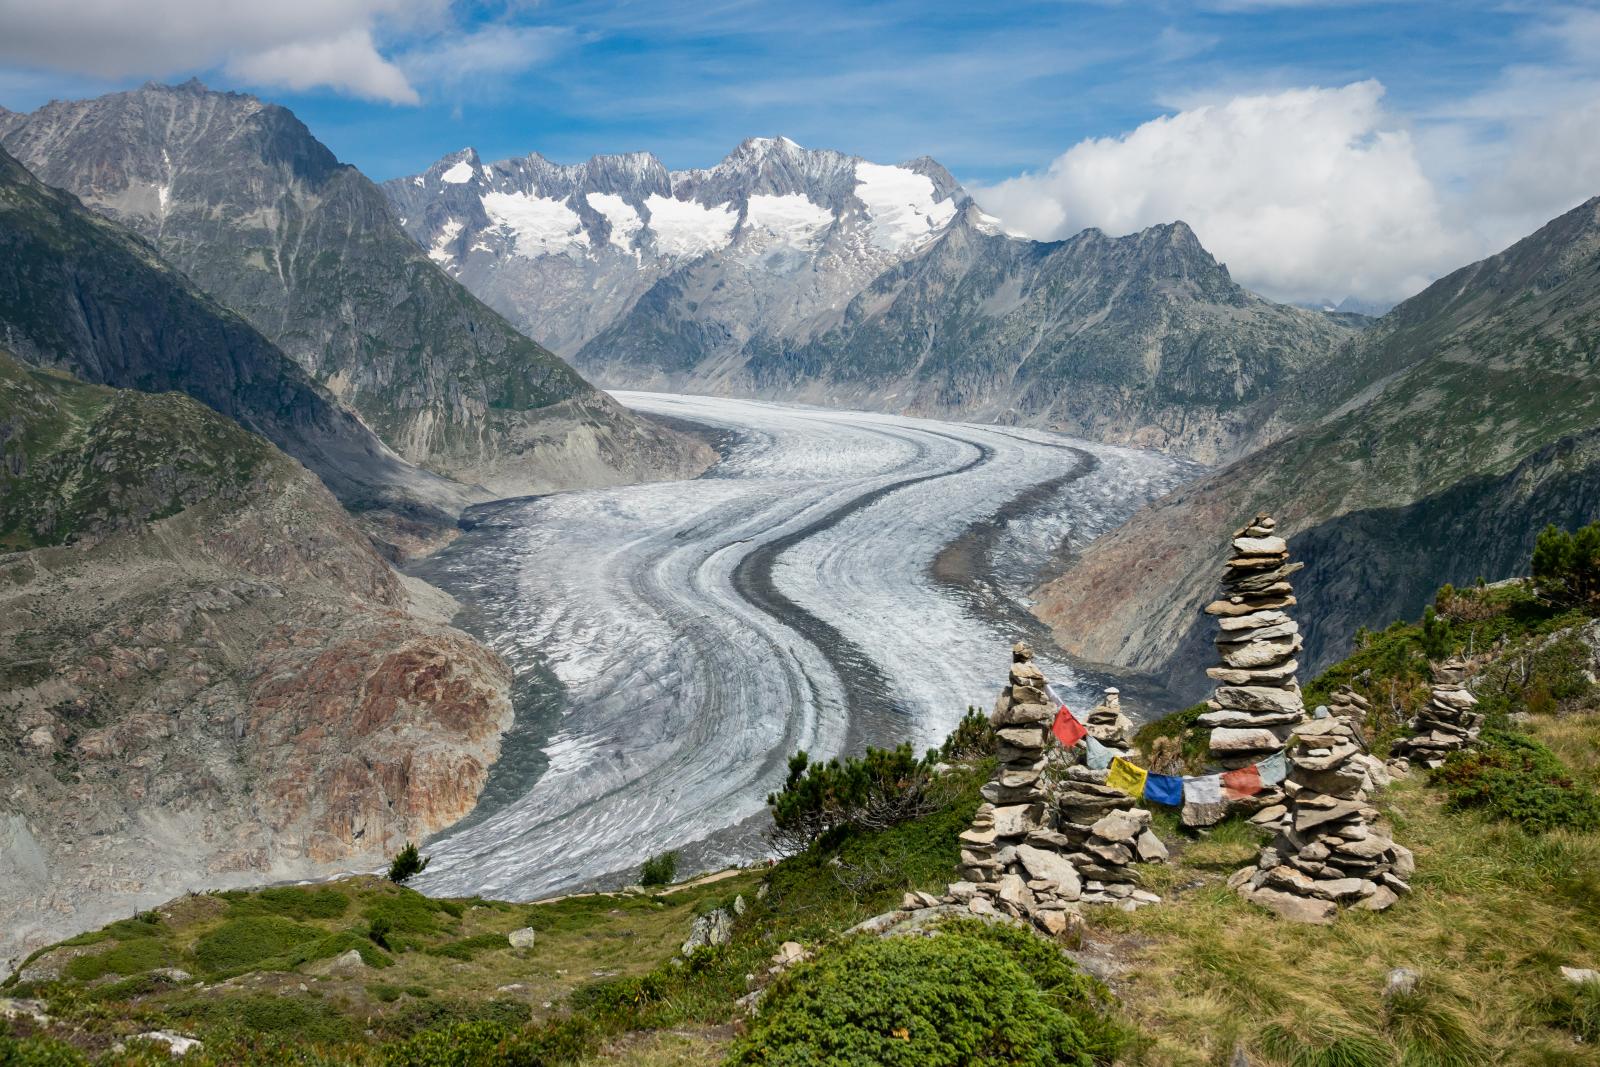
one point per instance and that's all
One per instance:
(675, 642)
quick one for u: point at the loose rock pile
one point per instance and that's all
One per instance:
(1257, 702)
(1329, 852)
(1448, 724)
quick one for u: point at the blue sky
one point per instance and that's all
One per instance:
(993, 90)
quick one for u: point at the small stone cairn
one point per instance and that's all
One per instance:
(1103, 830)
(1349, 704)
(1448, 724)
(1328, 852)
(1108, 725)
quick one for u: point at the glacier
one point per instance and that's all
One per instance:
(675, 642)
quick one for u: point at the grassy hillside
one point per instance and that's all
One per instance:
(1507, 891)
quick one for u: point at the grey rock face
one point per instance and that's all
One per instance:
(243, 199)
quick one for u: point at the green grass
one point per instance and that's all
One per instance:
(127, 958)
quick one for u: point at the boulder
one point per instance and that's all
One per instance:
(521, 938)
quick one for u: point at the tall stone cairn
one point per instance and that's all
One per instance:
(1257, 703)
(1329, 852)
(1448, 723)
(1010, 857)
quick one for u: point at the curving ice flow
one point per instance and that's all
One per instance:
(702, 631)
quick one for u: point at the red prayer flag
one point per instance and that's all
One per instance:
(1068, 730)
(1244, 782)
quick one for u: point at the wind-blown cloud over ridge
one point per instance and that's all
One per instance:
(1306, 194)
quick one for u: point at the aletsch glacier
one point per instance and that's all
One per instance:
(676, 642)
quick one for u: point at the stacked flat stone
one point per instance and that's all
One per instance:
(1009, 862)
(1349, 704)
(1448, 724)
(1330, 851)
(1257, 703)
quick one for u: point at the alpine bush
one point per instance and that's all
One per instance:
(875, 791)
(1566, 566)
(407, 864)
(963, 997)
(659, 870)
(1515, 778)
(972, 739)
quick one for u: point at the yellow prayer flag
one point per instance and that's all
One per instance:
(1126, 777)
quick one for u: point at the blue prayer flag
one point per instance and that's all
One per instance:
(1164, 789)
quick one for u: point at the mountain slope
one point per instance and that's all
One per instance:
(81, 293)
(813, 275)
(1142, 340)
(207, 673)
(239, 196)
(1462, 422)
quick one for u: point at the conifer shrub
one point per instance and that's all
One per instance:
(972, 739)
(1515, 778)
(973, 995)
(883, 788)
(659, 870)
(1566, 566)
(407, 864)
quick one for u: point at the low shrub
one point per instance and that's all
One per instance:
(294, 902)
(974, 995)
(244, 942)
(127, 958)
(659, 870)
(493, 1044)
(1513, 777)
(874, 791)
(468, 947)
(1180, 728)
(972, 739)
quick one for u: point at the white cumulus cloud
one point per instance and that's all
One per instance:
(1306, 194)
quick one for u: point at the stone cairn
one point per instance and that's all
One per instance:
(1448, 724)
(1103, 830)
(1328, 851)
(1257, 702)
(1010, 859)
(1108, 725)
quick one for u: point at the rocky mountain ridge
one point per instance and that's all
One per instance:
(238, 195)
(1432, 452)
(207, 675)
(80, 293)
(793, 273)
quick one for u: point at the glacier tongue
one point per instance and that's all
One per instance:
(702, 631)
